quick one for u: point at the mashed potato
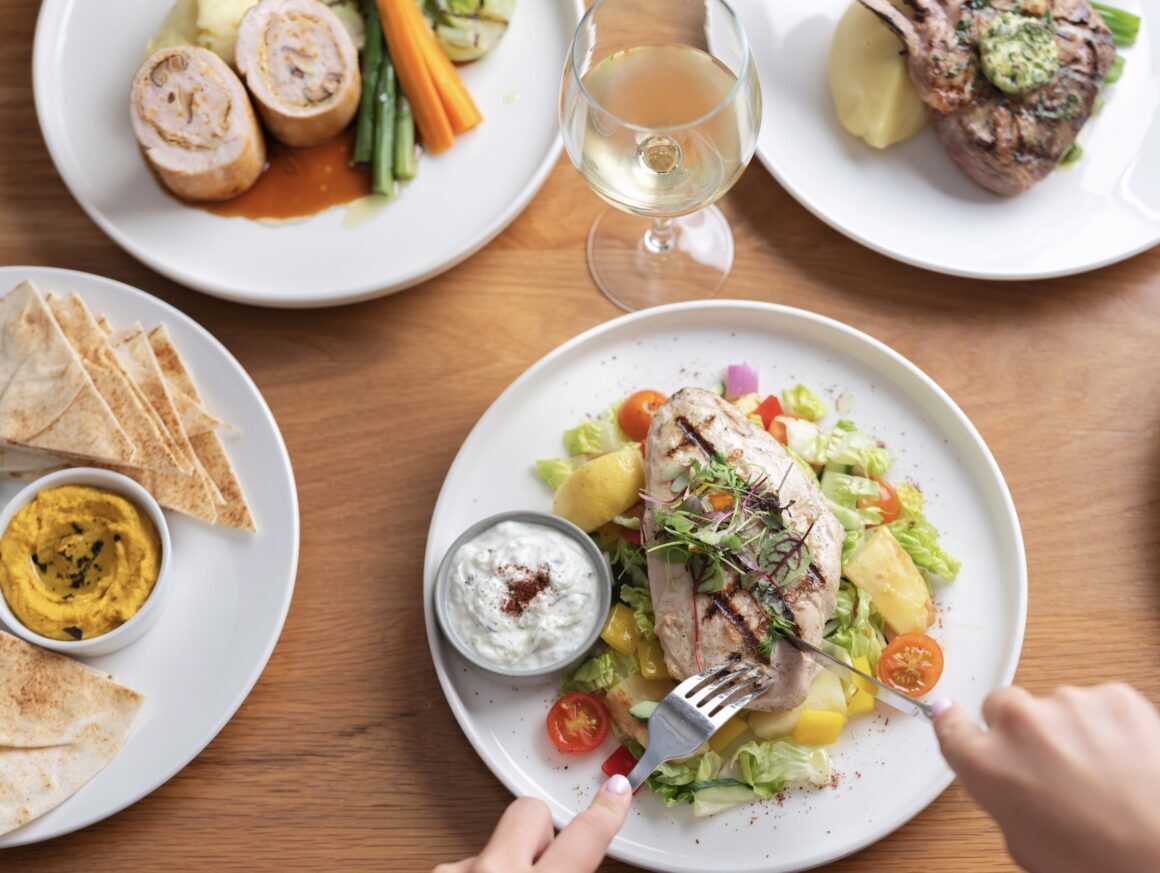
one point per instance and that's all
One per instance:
(873, 95)
(214, 24)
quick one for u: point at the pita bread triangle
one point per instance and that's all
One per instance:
(208, 446)
(185, 492)
(48, 401)
(61, 722)
(92, 347)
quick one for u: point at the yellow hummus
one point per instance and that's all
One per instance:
(78, 562)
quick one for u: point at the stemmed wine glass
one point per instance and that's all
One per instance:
(660, 108)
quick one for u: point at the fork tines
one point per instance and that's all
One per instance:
(721, 691)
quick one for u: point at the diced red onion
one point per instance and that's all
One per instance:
(741, 379)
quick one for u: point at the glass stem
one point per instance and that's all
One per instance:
(661, 237)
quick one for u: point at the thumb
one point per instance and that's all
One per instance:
(582, 844)
(956, 732)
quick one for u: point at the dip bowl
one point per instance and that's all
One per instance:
(150, 610)
(442, 592)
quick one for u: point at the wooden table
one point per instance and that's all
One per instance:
(345, 757)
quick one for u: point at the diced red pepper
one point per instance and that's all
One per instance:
(620, 763)
(769, 409)
(633, 536)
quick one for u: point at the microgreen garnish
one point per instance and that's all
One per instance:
(723, 519)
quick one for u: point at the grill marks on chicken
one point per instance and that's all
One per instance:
(698, 630)
(1004, 142)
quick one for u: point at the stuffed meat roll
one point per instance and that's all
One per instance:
(301, 67)
(195, 124)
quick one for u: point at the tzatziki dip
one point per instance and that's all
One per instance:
(523, 595)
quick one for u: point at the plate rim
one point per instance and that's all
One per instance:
(933, 265)
(252, 679)
(53, 11)
(431, 559)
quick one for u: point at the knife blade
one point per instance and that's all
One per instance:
(886, 694)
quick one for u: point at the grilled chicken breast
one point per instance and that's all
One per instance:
(1005, 142)
(301, 65)
(699, 630)
(195, 124)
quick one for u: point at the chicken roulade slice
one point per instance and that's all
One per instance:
(699, 629)
(301, 66)
(195, 124)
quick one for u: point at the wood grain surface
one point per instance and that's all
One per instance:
(346, 757)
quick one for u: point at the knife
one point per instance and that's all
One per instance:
(885, 693)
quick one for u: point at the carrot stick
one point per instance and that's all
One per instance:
(414, 76)
(457, 103)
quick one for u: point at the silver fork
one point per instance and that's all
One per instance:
(693, 711)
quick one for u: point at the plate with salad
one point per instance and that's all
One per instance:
(931, 595)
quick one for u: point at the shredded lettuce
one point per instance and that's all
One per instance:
(768, 766)
(672, 780)
(848, 445)
(640, 599)
(600, 673)
(800, 400)
(596, 436)
(919, 538)
(855, 626)
(849, 543)
(555, 470)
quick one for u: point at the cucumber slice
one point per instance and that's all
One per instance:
(643, 710)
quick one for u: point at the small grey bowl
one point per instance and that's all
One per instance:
(442, 590)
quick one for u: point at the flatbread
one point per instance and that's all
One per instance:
(22, 462)
(61, 723)
(208, 446)
(184, 492)
(92, 347)
(47, 400)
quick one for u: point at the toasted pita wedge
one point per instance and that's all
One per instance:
(48, 401)
(185, 492)
(181, 383)
(208, 446)
(92, 347)
(61, 723)
(23, 464)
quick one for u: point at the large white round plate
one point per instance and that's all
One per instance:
(888, 772)
(910, 202)
(231, 589)
(84, 60)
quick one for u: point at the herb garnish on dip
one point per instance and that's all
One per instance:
(78, 562)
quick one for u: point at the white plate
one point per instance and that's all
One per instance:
(910, 202)
(231, 589)
(85, 56)
(888, 773)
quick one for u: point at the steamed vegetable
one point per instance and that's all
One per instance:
(405, 164)
(371, 56)
(404, 40)
(1123, 25)
(468, 29)
(383, 157)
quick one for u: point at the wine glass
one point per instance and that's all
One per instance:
(659, 109)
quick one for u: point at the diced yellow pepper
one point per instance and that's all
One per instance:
(860, 704)
(818, 727)
(652, 660)
(863, 663)
(620, 630)
(730, 731)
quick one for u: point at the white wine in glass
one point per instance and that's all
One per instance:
(660, 110)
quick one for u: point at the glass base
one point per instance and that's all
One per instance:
(638, 263)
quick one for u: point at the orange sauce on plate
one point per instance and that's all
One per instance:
(300, 182)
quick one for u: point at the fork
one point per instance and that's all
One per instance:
(693, 711)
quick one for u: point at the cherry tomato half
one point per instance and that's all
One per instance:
(887, 501)
(577, 722)
(636, 413)
(911, 663)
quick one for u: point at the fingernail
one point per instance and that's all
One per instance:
(938, 707)
(618, 785)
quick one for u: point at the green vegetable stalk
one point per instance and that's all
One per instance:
(405, 164)
(383, 159)
(371, 58)
(1116, 70)
(1123, 25)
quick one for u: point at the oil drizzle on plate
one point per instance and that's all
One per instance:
(298, 183)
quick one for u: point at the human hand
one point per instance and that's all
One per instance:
(1073, 779)
(524, 842)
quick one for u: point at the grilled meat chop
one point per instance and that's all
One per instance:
(1005, 142)
(699, 630)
